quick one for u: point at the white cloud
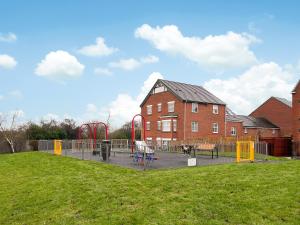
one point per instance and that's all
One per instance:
(1, 97)
(131, 63)
(98, 49)
(126, 64)
(102, 71)
(213, 52)
(148, 84)
(9, 37)
(124, 106)
(7, 62)
(59, 64)
(248, 90)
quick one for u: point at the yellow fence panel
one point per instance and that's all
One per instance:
(57, 147)
(245, 151)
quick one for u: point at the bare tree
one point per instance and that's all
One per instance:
(9, 132)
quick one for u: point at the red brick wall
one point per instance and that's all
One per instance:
(277, 113)
(263, 132)
(253, 132)
(296, 114)
(204, 117)
(164, 98)
(239, 129)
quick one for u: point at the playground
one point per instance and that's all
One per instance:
(139, 154)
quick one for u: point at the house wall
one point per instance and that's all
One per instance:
(184, 113)
(263, 132)
(163, 98)
(277, 113)
(205, 119)
(239, 129)
(296, 115)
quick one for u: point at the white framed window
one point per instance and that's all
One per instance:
(158, 125)
(194, 107)
(273, 131)
(148, 125)
(174, 125)
(194, 126)
(245, 131)
(159, 107)
(149, 109)
(166, 125)
(233, 131)
(149, 140)
(215, 128)
(215, 109)
(171, 106)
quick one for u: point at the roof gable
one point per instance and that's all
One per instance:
(296, 87)
(186, 92)
(284, 101)
(280, 100)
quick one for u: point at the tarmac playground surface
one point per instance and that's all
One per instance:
(163, 159)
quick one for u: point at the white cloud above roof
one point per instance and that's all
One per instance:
(224, 51)
(124, 106)
(97, 49)
(245, 92)
(58, 64)
(7, 62)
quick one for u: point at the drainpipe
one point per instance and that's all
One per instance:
(225, 122)
(184, 121)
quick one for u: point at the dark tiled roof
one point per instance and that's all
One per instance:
(250, 121)
(284, 101)
(191, 93)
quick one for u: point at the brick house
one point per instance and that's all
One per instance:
(279, 112)
(296, 113)
(178, 111)
(240, 125)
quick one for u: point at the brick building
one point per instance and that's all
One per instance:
(296, 113)
(279, 112)
(239, 125)
(178, 111)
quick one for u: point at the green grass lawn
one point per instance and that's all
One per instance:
(39, 188)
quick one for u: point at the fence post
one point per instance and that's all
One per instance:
(251, 151)
(238, 151)
(144, 157)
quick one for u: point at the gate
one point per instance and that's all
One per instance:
(245, 151)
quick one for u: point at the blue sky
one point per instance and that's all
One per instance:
(241, 51)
